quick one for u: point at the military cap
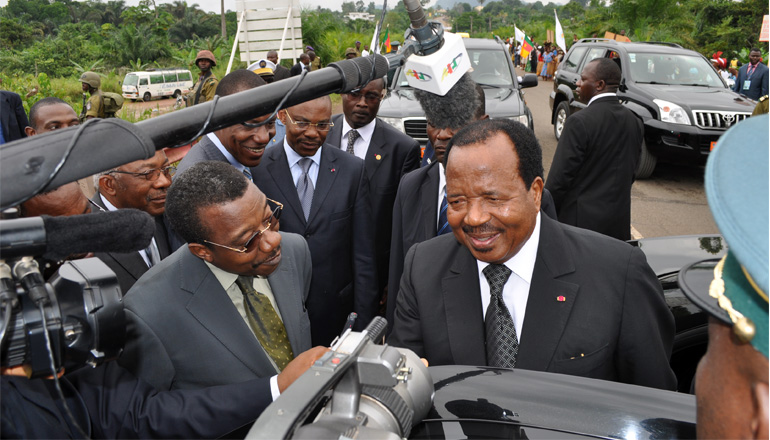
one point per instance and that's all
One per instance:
(734, 289)
(262, 67)
(350, 50)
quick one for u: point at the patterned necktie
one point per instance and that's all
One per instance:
(442, 219)
(265, 323)
(305, 186)
(352, 136)
(153, 256)
(502, 343)
(247, 173)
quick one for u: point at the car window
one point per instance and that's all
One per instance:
(655, 68)
(156, 78)
(169, 76)
(571, 64)
(185, 76)
(130, 80)
(593, 53)
(143, 81)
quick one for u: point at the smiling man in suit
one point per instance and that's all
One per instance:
(228, 306)
(326, 193)
(141, 185)
(388, 154)
(514, 288)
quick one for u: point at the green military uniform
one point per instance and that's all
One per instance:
(93, 106)
(761, 108)
(315, 64)
(203, 90)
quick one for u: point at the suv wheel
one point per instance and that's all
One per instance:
(562, 111)
(647, 162)
(147, 97)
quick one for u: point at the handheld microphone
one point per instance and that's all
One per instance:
(55, 238)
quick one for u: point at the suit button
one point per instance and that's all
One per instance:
(308, 235)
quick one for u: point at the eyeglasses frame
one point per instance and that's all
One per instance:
(170, 173)
(275, 215)
(310, 124)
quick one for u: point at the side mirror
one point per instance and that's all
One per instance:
(530, 80)
(622, 87)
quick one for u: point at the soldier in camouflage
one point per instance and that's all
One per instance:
(93, 107)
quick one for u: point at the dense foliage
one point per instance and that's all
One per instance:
(46, 44)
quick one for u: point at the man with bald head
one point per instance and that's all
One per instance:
(280, 71)
(325, 192)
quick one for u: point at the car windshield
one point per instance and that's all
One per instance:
(656, 68)
(130, 80)
(490, 68)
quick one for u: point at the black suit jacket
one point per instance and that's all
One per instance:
(415, 219)
(595, 309)
(109, 402)
(759, 81)
(297, 69)
(130, 266)
(593, 168)
(390, 156)
(280, 73)
(13, 118)
(339, 233)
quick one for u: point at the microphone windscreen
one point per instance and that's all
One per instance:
(124, 230)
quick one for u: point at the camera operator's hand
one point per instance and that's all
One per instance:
(298, 366)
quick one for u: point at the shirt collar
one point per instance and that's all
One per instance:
(365, 132)
(215, 140)
(441, 177)
(293, 157)
(523, 263)
(107, 204)
(600, 96)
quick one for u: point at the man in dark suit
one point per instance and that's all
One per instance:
(228, 306)
(280, 71)
(302, 64)
(241, 145)
(388, 154)
(326, 193)
(13, 118)
(141, 185)
(752, 78)
(514, 288)
(595, 161)
(417, 213)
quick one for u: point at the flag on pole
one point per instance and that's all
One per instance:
(526, 47)
(560, 34)
(519, 34)
(375, 47)
(386, 42)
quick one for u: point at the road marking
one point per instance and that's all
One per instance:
(636, 235)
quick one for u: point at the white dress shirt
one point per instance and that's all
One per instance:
(143, 252)
(516, 289)
(361, 146)
(260, 284)
(296, 170)
(441, 192)
(600, 96)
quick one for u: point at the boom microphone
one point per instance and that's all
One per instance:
(55, 238)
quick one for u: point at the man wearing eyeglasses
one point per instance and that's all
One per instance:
(229, 305)
(388, 154)
(326, 196)
(140, 185)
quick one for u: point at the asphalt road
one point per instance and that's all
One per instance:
(671, 202)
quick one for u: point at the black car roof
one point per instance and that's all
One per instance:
(656, 47)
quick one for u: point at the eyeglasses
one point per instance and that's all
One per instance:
(151, 175)
(371, 97)
(303, 125)
(252, 242)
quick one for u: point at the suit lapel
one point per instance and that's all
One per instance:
(212, 307)
(429, 201)
(335, 135)
(377, 148)
(278, 167)
(132, 262)
(539, 341)
(161, 237)
(462, 304)
(327, 173)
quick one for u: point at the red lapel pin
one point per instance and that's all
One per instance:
(561, 298)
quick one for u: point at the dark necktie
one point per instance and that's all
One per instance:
(247, 173)
(750, 70)
(502, 343)
(153, 256)
(443, 223)
(265, 323)
(352, 136)
(305, 186)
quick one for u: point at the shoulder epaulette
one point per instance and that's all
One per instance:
(763, 98)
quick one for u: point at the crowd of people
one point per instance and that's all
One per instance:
(269, 233)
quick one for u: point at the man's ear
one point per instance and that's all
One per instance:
(201, 251)
(486, 116)
(536, 191)
(282, 116)
(759, 420)
(29, 131)
(108, 185)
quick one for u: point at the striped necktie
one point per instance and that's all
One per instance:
(443, 223)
